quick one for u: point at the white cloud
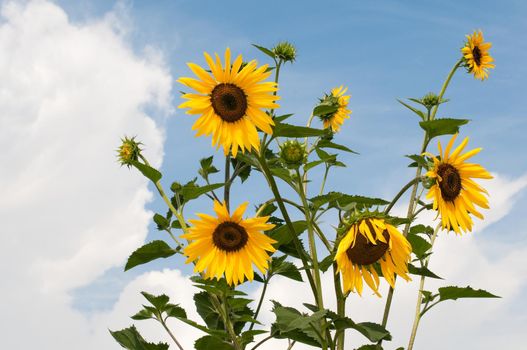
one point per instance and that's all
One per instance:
(69, 212)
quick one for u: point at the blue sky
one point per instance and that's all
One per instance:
(381, 50)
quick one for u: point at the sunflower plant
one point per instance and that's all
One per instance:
(365, 249)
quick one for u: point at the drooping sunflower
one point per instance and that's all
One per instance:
(230, 102)
(454, 192)
(369, 242)
(228, 244)
(476, 55)
(338, 99)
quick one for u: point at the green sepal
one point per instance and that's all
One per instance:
(150, 251)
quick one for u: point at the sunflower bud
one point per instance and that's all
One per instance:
(128, 151)
(285, 51)
(293, 153)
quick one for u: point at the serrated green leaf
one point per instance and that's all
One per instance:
(193, 192)
(419, 245)
(158, 301)
(288, 130)
(209, 342)
(370, 347)
(292, 324)
(454, 293)
(207, 312)
(443, 126)
(325, 109)
(312, 164)
(286, 269)
(421, 229)
(282, 234)
(161, 222)
(326, 263)
(177, 311)
(419, 160)
(150, 251)
(341, 200)
(143, 314)
(413, 109)
(129, 338)
(422, 271)
(149, 172)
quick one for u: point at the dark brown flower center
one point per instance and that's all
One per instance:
(364, 252)
(450, 183)
(229, 236)
(229, 102)
(476, 53)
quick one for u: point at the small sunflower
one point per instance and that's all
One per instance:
(369, 242)
(230, 102)
(340, 101)
(454, 192)
(476, 55)
(228, 244)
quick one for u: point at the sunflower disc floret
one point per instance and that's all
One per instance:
(370, 242)
(228, 245)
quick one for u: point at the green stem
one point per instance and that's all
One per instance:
(298, 246)
(324, 180)
(290, 202)
(412, 203)
(170, 333)
(420, 294)
(445, 85)
(260, 302)
(401, 192)
(227, 186)
(320, 235)
(341, 307)
(313, 250)
(222, 308)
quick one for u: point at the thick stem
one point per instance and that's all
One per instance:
(285, 214)
(227, 186)
(412, 203)
(341, 307)
(418, 314)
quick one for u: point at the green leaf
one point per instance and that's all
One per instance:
(129, 338)
(325, 109)
(285, 268)
(147, 171)
(282, 234)
(247, 337)
(143, 314)
(454, 293)
(158, 301)
(268, 210)
(209, 342)
(413, 109)
(370, 347)
(422, 271)
(281, 118)
(418, 160)
(373, 331)
(288, 130)
(207, 312)
(265, 51)
(343, 201)
(195, 191)
(326, 263)
(175, 311)
(329, 144)
(319, 201)
(419, 245)
(325, 156)
(207, 167)
(161, 221)
(312, 164)
(421, 229)
(292, 324)
(443, 126)
(150, 251)
(245, 173)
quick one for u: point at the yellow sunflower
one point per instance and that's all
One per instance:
(454, 192)
(228, 244)
(336, 119)
(230, 102)
(368, 242)
(476, 55)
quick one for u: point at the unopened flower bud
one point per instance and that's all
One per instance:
(285, 51)
(293, 153)
(128, 151)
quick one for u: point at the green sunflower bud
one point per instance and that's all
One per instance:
(285, 51)
(293, 153)
(128, 151)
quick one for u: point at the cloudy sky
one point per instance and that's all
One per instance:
(78, 75)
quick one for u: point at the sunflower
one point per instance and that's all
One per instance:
(454, 192)
(476, 55)
(340, 101)
(230, 102)
(228, 244)
(368, 243)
